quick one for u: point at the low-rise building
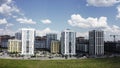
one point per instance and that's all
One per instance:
(112, 47)
(14, 46)
(55, 47)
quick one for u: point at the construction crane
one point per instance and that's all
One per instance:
(114, 37)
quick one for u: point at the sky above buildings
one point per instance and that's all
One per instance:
(53, 16)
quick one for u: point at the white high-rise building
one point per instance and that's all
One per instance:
(68, 42)
(96, 42)
(28, 36)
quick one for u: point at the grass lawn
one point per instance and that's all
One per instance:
(83, 63)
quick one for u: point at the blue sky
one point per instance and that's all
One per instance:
(57, 15)
(56, 11)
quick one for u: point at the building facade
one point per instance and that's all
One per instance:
(68, 42)
(40, 42)
(18, 35)
(28, 35)
(81, 45)
(112, 47)
(96, 42)
(4, 40)
(14, 46)
(55, 47)
(49, 38)
(118, 47)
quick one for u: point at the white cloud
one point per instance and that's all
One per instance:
(25, 20)
(82, 34)
(90, 22)
(8, 1)
(102, 3)
(6, 32)
(45, 31)
(118, 10)
(5, 9)
(1, 31)
(14, 16)
(3, 21)
(9, 24)
(93, 23)
(112, 30)
(46, 21)
(8, 8)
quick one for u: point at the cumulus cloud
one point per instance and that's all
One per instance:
(118, 10)
(7, 7)
(25, 20)
(111, 30)
(45, 31)
(90, 22)
(82, 34)
(102, 3)
(46, 21)
(3, 21)
(93, 23)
